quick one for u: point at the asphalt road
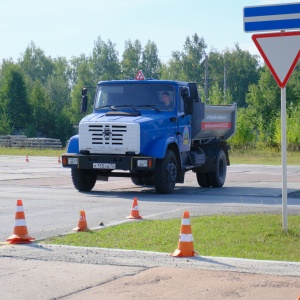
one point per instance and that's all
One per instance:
(52, 207)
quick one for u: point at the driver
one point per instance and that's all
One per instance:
(166, 99)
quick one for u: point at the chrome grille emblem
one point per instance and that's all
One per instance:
(107, 133)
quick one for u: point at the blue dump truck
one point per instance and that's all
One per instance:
(153, 131)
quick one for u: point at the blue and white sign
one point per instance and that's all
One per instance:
(272, 17)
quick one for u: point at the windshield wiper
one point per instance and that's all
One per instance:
(126, 105)
(149, 105)
(133, 107)
(109, 106)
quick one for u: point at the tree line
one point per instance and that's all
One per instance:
(40, 95)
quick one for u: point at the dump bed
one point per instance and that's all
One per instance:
(211, 121)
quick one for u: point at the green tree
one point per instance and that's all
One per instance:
(245, 132)
(293, 89)
(131, 59)
(234, 70)
(58, 85)
(150, 64)
(5, 125)
(42, 111)
(36, 65)
(64, 128)
(189, 65)
(218, 97)
(80, 69)
(104, 61)
(75, 115)
(14, 107)
(263, 102)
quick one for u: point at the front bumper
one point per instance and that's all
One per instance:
(108, 162)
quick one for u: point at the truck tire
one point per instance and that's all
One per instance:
(203, 179)
(137, 181)
(83, 180)
(217, 178)
(165, 175)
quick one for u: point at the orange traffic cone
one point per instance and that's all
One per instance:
(20, 234)
(27, 160)
(82, 224)
(59, 161)
(134, 211)
(185, 244)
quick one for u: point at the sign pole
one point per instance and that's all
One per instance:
(284, 164)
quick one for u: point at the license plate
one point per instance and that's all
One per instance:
(103, 166)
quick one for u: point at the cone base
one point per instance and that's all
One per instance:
(180, 253)
(19, 239)
(133, 217)
(78, 229)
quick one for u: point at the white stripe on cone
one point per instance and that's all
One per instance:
(185, 221)
(20, 222)
(186, 238)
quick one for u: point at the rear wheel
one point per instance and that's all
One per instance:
(165, 175)
(218, 176)
(203, 179)
(83, 180)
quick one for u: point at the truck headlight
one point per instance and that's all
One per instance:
(72, 161)
(142, 163)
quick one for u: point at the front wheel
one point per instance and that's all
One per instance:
(165, 175)
(218, 176)
(142, 181)
(83, 180)
(137, 181)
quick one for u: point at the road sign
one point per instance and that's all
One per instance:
(272, 17)
(139, 75)
(281, 52)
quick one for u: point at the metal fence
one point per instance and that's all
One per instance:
(21, 141)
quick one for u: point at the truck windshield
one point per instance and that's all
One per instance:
(143, 96)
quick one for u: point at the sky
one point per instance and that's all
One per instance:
(70, 28)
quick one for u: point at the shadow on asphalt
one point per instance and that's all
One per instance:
(236, 195)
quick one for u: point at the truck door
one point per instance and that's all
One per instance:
(183, 126)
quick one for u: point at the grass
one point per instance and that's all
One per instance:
(260, 236)
(262, 157)
(31, 152)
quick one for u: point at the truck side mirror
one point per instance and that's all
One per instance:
(84, 100)
(184, 93)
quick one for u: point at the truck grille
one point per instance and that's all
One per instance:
(109, 138)
(107, 134)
